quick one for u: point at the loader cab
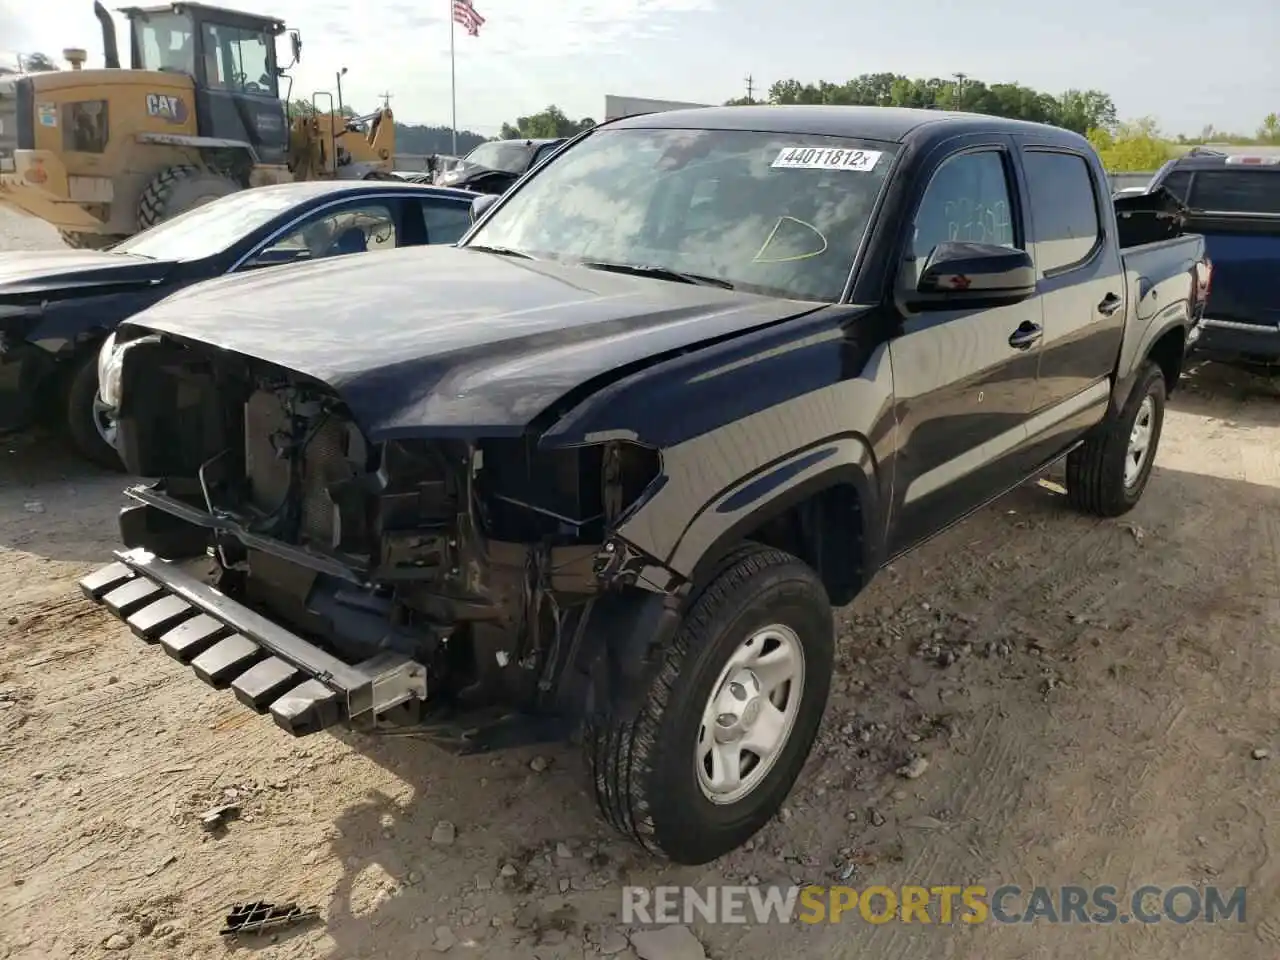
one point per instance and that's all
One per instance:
(231, 59)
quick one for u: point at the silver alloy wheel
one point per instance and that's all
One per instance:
(1139, 441)
(104, 422)
(749, 716)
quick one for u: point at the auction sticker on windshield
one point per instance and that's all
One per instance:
(818, 158)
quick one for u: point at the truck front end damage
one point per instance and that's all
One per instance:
(329, 577)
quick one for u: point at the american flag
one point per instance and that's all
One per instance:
(465, 14)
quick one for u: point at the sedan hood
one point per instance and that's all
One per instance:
(48, 271)
(451, 341)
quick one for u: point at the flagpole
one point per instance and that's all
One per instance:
(453, 79)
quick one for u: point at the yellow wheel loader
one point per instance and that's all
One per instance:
(102, 154)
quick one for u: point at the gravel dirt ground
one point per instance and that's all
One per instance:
(1094, 699)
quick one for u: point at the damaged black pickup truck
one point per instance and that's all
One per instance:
(605, 467)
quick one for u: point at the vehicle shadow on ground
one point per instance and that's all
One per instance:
(1241, 396)
(54, 504)
(399, 887)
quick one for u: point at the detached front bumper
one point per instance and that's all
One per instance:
(268, 668)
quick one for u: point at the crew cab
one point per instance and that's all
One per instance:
(606, 466)
(1234, 201)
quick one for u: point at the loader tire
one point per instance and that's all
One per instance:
(179, 189)
(89, 241)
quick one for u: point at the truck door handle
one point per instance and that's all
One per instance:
(1027, 335)
(1109, 305)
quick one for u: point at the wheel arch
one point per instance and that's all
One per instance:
(819, 504)
(1164, 341)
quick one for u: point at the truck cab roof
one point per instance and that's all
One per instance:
(889, 124)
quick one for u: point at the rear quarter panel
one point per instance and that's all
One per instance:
(1158, 284)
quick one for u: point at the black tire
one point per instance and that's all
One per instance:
(643, 767)
(81, 419)
(88, 241)
(1096, 471)
(176, 190)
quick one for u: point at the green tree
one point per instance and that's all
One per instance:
(305, 108)
(1078, 110)
(547, 124)
(37, 63)
(1269, 132)
(1131, 147)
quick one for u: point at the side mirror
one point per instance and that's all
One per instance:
(295, 44)
(961, 274)
(482, 203)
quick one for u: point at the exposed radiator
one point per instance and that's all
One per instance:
(324, 462)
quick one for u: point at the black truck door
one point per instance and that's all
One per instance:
(964, 379)
(1082, 286)
(237, 90)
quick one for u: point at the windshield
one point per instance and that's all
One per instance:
(511, 156)
(209, 229)
(772, 213)
(165, 43)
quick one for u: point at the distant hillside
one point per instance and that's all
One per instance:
(420, 139)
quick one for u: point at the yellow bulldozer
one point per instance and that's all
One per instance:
(102, 154)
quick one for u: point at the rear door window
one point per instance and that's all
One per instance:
(1064, 209)
(1236, 191)
(446, 220)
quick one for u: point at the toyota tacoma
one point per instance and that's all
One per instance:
(602, 470)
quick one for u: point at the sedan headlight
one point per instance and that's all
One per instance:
(110, 366)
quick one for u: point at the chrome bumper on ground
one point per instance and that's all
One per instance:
(268, 668)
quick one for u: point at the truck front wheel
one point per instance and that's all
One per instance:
(90, 430)
(1108, 473)
(729, 718)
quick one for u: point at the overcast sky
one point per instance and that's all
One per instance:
(1187, 63)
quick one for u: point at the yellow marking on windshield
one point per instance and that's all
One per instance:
(804, 256)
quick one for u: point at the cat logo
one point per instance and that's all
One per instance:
(168, 108)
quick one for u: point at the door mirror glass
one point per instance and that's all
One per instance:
(480, 204)
(959, 272)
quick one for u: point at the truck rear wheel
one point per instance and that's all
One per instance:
(725, 728)
(179, 189)
(1107, 475)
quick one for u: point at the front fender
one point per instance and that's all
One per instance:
(770, 492)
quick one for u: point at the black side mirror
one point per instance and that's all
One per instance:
(961, 274)
(482, 203)
(295, 43)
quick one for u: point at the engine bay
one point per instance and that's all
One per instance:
(471, 556)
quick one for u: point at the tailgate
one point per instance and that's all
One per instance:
(1246, 272)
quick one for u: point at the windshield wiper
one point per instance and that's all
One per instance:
(658, 273)
(500, 251)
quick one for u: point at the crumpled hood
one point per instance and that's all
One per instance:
(48, 270)
(451, 341)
